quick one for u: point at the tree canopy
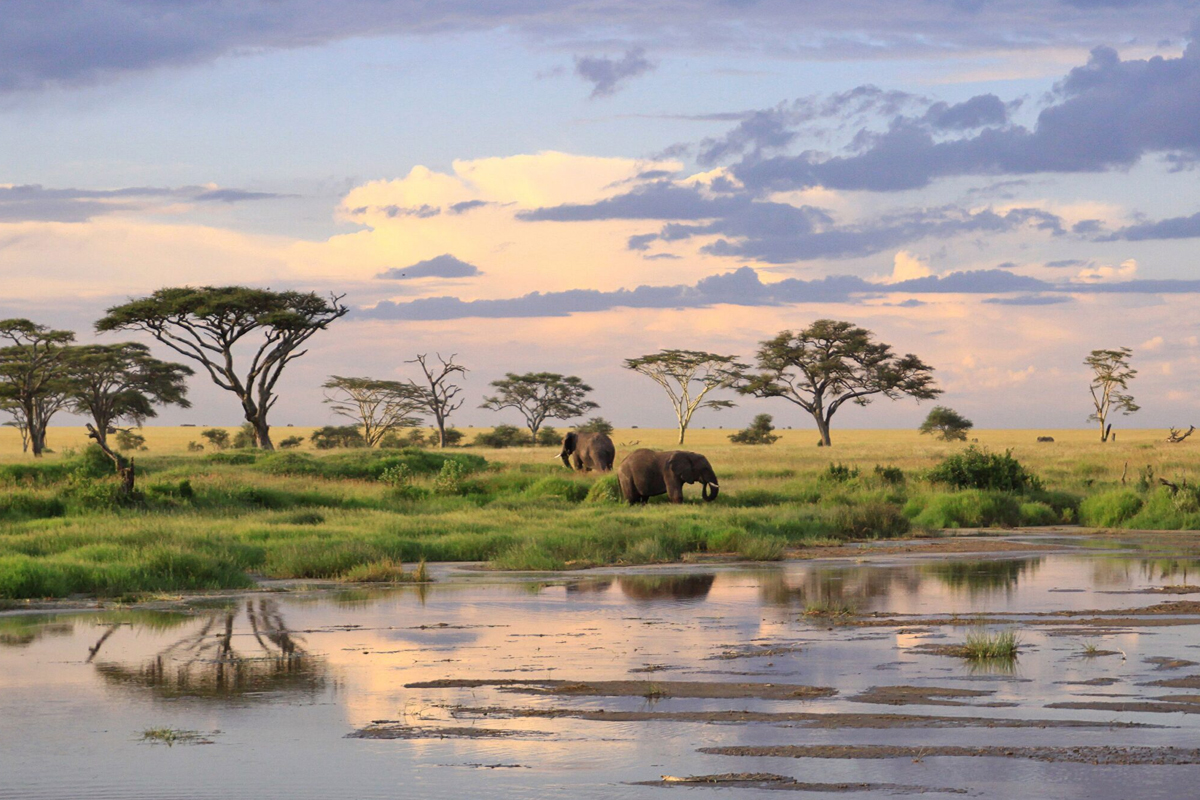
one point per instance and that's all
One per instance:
(377, 406)
(540, 396)
(831, 363)
(222, 326)
(688, 376)
(33, 382)
(122, 383)
(947, 424)
(1111, 375)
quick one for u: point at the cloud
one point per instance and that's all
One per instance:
(1124, 271)
(1067, 263)
(1152, 344)
(607, 75)
(69, 43)
(906, 266)
(465, 206)
(1105, 115)
(33, 202)
(443, 266)
(1172, 228)
(744, 287)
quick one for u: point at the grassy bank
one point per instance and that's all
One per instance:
(215, 520)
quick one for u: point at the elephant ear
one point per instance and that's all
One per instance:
(569, 441)
(680, 465)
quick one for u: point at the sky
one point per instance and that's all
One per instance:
(998, 186)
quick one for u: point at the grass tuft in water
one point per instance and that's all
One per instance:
(829, 608)
(173, 736)
(984, 646)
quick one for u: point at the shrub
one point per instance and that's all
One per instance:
(502, 436)
(128, 440)
(977, 468)
(195, 447)
(291, 442)
(605, 490)
(758, 432)
(1037, 513)
(288, 464)
(1109, 509)
(890, 475)
(181, 490)
(413, 437)
(596, 425)
(451, 478)
(548, 437)
(333, 436)
(840, 473)
(245, 438)
(218, 438)
(572, 491)
(973, 508)
(233, 459)
(870, 520)
(28, 505)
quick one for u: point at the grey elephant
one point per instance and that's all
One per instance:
(646, 473)
(588, 451)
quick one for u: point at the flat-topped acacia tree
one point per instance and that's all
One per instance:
(540, 396)
(33, 384)
(688, 376)
(830, 363)
(224, 325)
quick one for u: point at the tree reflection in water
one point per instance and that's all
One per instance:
(983, 576)
(666, 587)
(208, 662)
(849, 586)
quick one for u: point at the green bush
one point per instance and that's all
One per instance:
(28, 505)
(1037, 513)
(870, 520)
(246, 437)
(562, 488)
(451, 478)
(287, 464)
(217, 437)
(129, 440)
(291, 442)
(333, 436)
(977, 468)
(233, 459)
(502, 436)
(596, 425)
(606, 489)
(890, 475)
(972, 508)
(1110, 509)
(840, 473)
(758, 432)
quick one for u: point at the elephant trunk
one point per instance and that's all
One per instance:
(564, 455)
(710, 490)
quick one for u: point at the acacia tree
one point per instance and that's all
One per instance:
(1111, 375)
(688, 376)
(377, 406)
(830, 363)
(219, 326)
(948, 424)
(120, 383)
(33, 385)
(437, 394)
(540, 396)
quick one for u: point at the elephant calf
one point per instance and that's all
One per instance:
(646, 473)
(588, 451)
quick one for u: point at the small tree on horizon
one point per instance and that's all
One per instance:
(831, 363)
(33, 383)
(758, 432)
(595, 425)
(1111, 375)
(378, 407)
(220, 326)
(540, 396)
(688, 376)
(948, 424)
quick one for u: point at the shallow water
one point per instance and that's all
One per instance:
(276, 682)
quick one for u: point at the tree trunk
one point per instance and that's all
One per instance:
(823, 429)
(37, 440)
(262, 431)
(1103, 431)
(533, 432)
(682, 431)
(441, 429)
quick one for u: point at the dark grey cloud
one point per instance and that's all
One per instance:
(1105, 115)
(466, 205)
(1172, 228)
(443, 266)
(781, 233)
(607, 75)
(59, 42)
(32, 202)
(744, 288)
(1068, 263)
(423, 211)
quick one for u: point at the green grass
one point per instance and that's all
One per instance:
(173, 736)
(984, 646)
(219, 520)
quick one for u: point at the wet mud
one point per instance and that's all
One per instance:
(661, 689)
(1100, 755)
(767, 780)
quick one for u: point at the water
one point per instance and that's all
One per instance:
(277, 681)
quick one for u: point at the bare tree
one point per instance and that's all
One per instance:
(1110, 382)
(378, 407)
(688, 376)
(438, 393)
(207, 324)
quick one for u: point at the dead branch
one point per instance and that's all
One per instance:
(1174, 437)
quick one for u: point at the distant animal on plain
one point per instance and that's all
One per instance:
(647, 473)
(1045, 438)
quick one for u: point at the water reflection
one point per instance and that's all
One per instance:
(982, 577)
(24, 631)
(666, 587)
(840, 586)
(221, 658)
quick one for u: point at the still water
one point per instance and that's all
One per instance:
(307, 694)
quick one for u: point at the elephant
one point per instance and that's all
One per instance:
(588, 451)
(646, 473)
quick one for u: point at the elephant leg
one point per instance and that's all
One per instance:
(675, 491)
